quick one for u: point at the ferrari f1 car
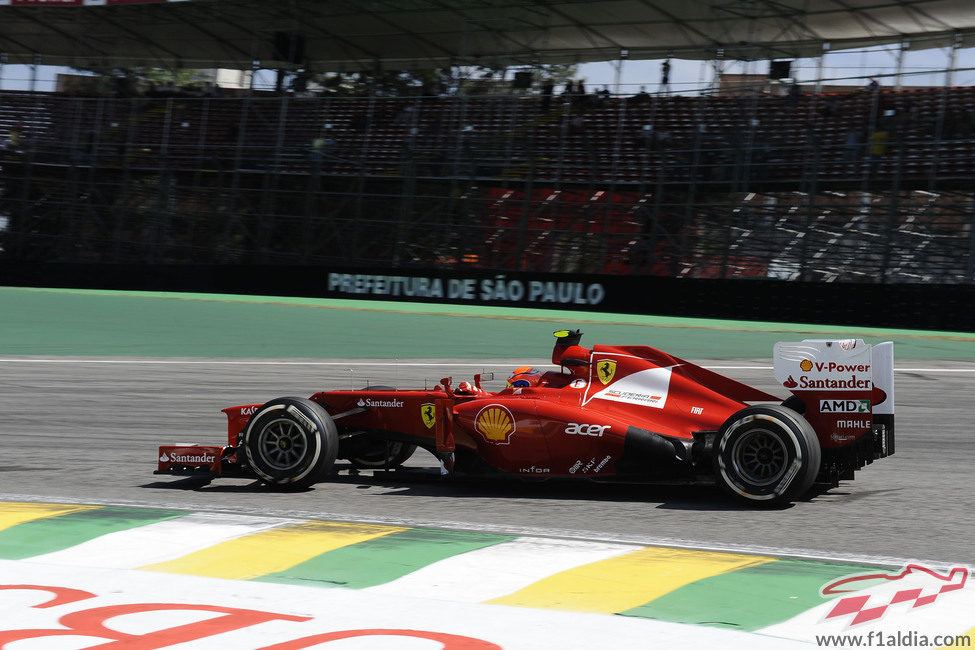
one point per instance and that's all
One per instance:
(609, 413)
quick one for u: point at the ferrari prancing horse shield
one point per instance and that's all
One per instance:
(605, 370)
(428, 413)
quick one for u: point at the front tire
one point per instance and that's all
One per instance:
(290, 442)
(767, 454)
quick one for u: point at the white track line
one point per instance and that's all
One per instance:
(498, 570)
(159, 542)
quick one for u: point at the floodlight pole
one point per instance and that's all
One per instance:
(901, 54)
(36, 61)
(618, 65)
(819, 68)
(952, 58)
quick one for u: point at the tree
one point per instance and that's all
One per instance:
(130, 81)
(466, 80)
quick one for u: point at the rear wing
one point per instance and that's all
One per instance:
(846, 386)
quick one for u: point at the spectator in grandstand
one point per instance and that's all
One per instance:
(852, 147)
(900, 123)
(872, 85)
(794, 92)
(577, 125)
(321, 148)
(966, 125)
(642, 97)
(579, 98)
(548, 88)
(954, 126)
(829, 108)
(14, 135)
(761, 154)
(91, 145)
(360, 122)
(299, 84)
(404, 117)
(646, 137)
(665, 76)
(878, 147)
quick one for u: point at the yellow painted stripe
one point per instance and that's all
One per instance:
(13, 513)
(271, 550)
(626, 581)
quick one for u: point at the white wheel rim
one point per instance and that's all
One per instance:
(759, 457)
(282, 443)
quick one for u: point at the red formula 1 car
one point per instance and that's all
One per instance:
(611, 412)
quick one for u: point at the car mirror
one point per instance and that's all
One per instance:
(482, 376)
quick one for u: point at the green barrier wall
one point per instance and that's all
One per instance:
(110, 323)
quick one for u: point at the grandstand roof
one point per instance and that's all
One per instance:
(351, 34)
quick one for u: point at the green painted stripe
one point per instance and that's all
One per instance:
(139, 323)
(750, 598)
(383, 559)
(515, 313)
(57, 533)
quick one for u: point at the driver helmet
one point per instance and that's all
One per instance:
(524, 377)
(466, 387)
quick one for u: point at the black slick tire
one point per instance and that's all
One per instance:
(290, 442)
(766, 455)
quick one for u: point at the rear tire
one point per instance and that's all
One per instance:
(766, 454)
(290, 442)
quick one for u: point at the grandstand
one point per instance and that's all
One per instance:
(867, 185)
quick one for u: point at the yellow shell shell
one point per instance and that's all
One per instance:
(495, 423)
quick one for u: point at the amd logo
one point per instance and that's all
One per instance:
(844, 406)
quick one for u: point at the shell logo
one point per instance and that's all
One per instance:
(806, 365)
(495, 423)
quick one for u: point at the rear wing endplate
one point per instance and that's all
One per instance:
(845, 384)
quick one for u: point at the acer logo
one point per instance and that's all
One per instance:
(575, 429)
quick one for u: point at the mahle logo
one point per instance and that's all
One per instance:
(844, 406)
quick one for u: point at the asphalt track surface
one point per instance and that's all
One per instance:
(78, 429)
